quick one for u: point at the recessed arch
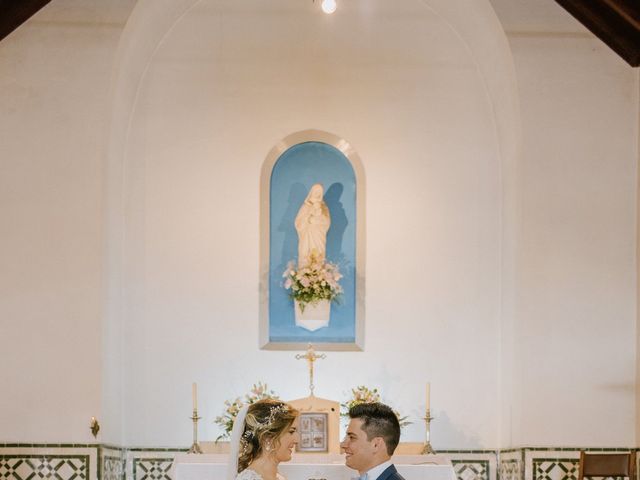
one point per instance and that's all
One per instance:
(276, 153)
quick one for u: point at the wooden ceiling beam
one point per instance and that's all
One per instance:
(14, 13)
(615, 22)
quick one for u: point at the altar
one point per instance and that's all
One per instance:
(313, 467)
(318, 449)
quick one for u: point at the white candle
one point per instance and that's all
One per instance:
(428, 396)
(194, 395)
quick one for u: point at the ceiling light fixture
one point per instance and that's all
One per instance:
(328, 6)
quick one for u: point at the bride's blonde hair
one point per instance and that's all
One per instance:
(265, 422)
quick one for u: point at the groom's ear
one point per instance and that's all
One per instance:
(378, 444)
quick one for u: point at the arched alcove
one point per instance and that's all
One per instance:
(312, 156)
(202, 92)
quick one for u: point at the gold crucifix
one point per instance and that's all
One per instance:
(310, 357)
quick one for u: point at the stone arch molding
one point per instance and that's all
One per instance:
(474, 23)
(151, 21)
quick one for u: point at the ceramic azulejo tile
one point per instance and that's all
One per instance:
(556, 463)
(56, 463)
(113, 460)
(56, 467)
(150, 464)
(113, 468)
(511, 466)
(152, 468)
(551, 464)
(471, 470)
(555, 469)
(510, 469)
(473, 464)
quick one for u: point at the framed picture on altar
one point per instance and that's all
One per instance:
(304, 170)
(313, 433)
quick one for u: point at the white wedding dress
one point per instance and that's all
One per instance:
(248, 474)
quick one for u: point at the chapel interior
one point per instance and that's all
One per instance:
(497, 146)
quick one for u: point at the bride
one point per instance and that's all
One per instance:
(264, 434)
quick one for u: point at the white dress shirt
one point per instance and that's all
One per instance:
(376, 471)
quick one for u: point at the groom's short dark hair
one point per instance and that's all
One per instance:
(378, 420)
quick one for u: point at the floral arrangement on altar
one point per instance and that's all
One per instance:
(316, 281)
(259, 391)
(362, 394)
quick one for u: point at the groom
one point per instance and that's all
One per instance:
(372, 436)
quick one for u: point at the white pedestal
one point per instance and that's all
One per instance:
(314, 316)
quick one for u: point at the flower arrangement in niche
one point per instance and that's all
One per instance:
(315, 281)
(362, 394)
(259, 391)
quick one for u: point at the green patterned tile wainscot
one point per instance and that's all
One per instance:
(113, 467)
(471, 469)
(555, 468)
(152, 468)
(511, 469)
(34, 466)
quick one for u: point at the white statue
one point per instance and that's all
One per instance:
(312, 224)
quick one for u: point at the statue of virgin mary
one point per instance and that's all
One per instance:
(312, 224)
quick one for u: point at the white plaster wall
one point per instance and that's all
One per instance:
(575, 332)
(54, 81)
(225, 85)
(505, 256)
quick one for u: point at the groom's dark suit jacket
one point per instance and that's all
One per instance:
(390, 473)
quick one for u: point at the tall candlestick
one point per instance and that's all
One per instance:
(195, 447)
(427, 449)
(428, 397)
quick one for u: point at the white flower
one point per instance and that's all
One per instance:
(316, 281)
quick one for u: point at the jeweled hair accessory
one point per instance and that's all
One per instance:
(273, 414)
(244, 443)
(278, 410)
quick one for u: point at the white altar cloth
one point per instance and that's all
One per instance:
(313, 467)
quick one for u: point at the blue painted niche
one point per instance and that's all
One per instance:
(293, 174)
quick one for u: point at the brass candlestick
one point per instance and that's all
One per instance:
(195, 447)
(427, 449)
